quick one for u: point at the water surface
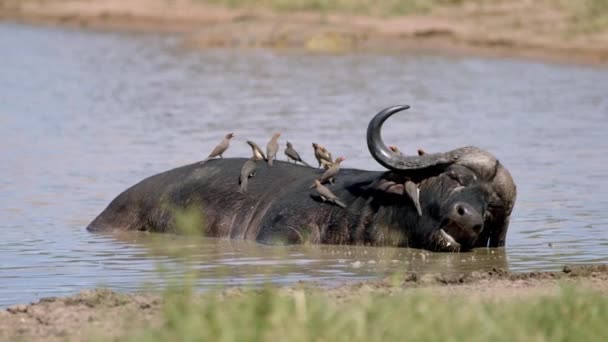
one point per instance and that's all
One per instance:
(84, 115)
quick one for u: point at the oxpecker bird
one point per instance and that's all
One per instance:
(412, 190)
(221, 148)
(257, 150)
(323, 156)
(272, 148)
(292, 154)
(331, 173)
(395, 149)
(326, 194)
(248, 169)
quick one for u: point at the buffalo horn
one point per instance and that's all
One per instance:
(396, 162)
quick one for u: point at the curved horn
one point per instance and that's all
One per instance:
(393, 161)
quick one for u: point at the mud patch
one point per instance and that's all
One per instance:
(90, 312)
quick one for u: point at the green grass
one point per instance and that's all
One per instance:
(304, 315)
(374, 7)
(588, 15)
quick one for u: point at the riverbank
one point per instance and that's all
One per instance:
(547, 30)
(473, 306)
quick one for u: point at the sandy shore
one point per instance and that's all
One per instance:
(523, 29)
(106, 313)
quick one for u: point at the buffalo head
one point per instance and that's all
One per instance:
(466, 195)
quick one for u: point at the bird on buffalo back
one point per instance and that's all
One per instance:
(220, 148)
(258, 153)
(292, 154)
(331, 173)
(323, 156)
(248, 169)
(413, 192)
(394, 149)
(326, 194)
(272, 148)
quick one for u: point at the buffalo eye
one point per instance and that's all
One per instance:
(462, 175)
(453, 175)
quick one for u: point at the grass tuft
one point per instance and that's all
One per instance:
(308, 315)
(590, 15)
(366, 7)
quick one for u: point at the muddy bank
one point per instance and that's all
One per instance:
(102, 312)
(525, 29)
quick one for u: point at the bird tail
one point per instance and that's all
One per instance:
(339, 203)
(270, 161)
(305, 163)
(206, 160)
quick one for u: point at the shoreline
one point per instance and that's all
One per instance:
(205, 26)
(103, 312)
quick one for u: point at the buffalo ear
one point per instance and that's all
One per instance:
(396, 184)
(397, 189)
(390, 187)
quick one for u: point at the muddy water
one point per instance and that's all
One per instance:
(84, 115)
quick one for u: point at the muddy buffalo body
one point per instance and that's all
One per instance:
(466, 197)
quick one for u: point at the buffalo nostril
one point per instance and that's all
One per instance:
(477, 228)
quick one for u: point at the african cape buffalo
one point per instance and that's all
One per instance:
(466, 197)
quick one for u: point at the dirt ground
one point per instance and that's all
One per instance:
(520, 28)
(102, 312)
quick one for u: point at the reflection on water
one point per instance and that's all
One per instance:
(246, 262)
(84, 115)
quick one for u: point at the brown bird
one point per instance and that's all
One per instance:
(292, 154)
(325, 164)
(248, 169)
(411, 189)
(221, 148)
(395, 149)
(272, 148)
(326, 195)
(322, 154)
(331, 173)
(257, 150)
